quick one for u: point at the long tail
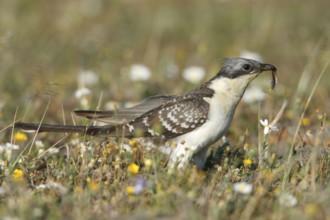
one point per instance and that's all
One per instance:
(88, 130)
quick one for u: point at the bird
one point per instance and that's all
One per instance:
(188, 123)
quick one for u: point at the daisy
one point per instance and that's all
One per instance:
(193, 74)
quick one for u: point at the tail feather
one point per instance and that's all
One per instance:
(123, 115)
(88, 130)
(109, 117)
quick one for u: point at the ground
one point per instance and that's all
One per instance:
(56, 57)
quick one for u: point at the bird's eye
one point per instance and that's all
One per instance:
(247, 67)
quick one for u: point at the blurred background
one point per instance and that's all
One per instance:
(89, 53)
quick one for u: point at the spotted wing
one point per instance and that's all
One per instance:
(122, 115)
(174, 118)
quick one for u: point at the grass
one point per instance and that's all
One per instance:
(43, 47)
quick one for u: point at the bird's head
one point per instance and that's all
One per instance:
(246, 68)
(237, 73)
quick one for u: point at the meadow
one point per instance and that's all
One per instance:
(59, 56)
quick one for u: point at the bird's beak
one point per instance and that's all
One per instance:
(267, 67)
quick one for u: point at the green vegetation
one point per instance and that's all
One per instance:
(46, 45)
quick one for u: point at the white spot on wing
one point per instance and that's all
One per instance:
(145, 121)
(130, 127)
(172, 117)
(166, 125)
(184, 125)
(151, 131)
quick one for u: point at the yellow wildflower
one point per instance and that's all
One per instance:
(130, 190)
(147, 162)
(305, 121)
(92, 185)
(247, 162)
(133, 168)
(20, 137)
(18, 175)
(309, 133)
(110, 145)
(132, 143)
(246, 146)
(106, 152)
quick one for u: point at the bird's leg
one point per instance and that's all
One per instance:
(199, 158)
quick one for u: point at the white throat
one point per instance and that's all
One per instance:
(230, 91)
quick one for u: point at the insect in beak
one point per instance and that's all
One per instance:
(269, 67)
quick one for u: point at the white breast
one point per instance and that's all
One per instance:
(218, 122)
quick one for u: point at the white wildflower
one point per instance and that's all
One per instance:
(8, 148)
(52, 186)
(268, 127)
(117, 163)
(288, 200)
(74, 142)
(41, 187)
(88, 77)
(39, 144)
(251, 55)
(253, 94)
(243, 188)
(126, 148)
(53, 150)
(309, 134)
(193, 74)
(58, 186)
(82, 92)
(84, 148)
(41, 151)
(139, 72)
